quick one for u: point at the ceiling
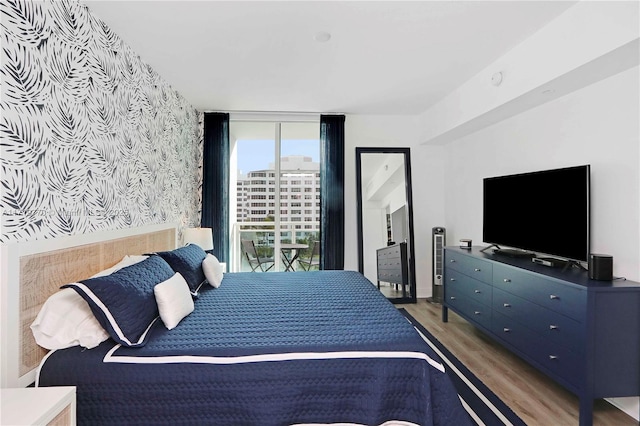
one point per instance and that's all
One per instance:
(381, 174)
(383, 57)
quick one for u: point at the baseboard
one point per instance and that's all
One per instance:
(630, 405)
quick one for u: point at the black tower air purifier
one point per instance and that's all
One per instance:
(438, 241)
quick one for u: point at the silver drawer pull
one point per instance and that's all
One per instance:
(477, 291)
(553, 297)
(452, 260)
(452, 298)
(553, 357)
(553, 327)
(506, 280)
(506, 305)
(506, 330)
(477, 269)
(477, 313)
(452, 279)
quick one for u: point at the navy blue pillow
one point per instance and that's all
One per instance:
(124, 302)
(188, 261)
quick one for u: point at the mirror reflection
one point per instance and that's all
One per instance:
(384, 221)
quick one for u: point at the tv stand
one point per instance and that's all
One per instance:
(509, 252)
(489, 246)
(582, 333)
(573, 264)
(514, 253)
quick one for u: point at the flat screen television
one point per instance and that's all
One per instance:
(545, 212)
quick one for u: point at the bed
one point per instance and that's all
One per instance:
(264, 349)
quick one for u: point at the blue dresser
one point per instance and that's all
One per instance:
(585, 334)
(393, 266)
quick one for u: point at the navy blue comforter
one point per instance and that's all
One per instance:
(267, 349)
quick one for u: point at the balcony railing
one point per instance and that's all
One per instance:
(263, 236)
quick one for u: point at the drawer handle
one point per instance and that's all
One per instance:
(506, 330)
(506, 305)
(553, 297)
(477, 291)
(506, 280)
(477, 269)
(452, 298)
(452, 260)
(553, 357)
(452, 279)
(553, 327)
(477, 313)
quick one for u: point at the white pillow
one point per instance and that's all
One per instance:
(66, 319)
(213, 270)
(128, 260)
(174, 300)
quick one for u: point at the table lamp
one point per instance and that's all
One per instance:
(203, 237)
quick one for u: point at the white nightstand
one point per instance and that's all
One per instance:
(38, 406)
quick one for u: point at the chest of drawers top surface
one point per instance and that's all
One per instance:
(467, 261)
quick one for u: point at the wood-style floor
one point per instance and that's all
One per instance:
(392, 290)
(530, 394)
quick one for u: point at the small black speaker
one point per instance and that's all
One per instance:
(600, 267)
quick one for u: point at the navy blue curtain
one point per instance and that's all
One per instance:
(332, 192)
(215, 181)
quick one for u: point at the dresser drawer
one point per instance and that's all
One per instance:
(559, 360)
(389, 252)
(558, 297)
(472, 309)
(469, 287)
(390, 263)
(549, 324)
(390, 276)
(470, 266)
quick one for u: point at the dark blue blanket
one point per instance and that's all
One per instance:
(267, 349)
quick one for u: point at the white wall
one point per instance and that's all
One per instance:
(396, 199)
(590, 41)
(587, 122)
(427, 172)
(374, 235)
(598, 125)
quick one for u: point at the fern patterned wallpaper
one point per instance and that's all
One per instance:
(92, 138)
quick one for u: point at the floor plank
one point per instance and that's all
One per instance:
(534, 397)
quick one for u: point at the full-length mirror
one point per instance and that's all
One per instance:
(385, 221)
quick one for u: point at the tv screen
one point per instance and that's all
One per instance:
(546, 212)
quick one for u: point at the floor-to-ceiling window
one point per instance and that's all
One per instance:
(275, 193)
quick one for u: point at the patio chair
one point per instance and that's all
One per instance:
(255, 261)
(314, 260)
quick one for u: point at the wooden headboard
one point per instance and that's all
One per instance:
(33, 271)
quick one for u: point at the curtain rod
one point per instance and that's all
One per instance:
(274, 116)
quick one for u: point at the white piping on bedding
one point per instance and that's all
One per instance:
(111, 319)
(196, 359)
(387, 423)
(37, 382)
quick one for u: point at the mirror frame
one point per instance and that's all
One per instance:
(409, 199)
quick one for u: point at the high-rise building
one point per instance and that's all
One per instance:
(299, 195)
